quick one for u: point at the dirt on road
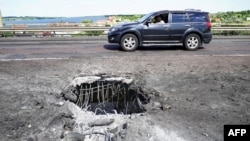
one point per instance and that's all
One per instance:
(200, 95)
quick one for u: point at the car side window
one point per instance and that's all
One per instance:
(179, 17)
(163, 18)
(198, 17)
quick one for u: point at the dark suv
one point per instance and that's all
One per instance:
(189, 28)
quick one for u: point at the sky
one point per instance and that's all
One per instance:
(74, 8)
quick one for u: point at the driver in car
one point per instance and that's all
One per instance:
(158, 20)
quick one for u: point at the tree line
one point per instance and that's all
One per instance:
(231, 17)
(223, 17)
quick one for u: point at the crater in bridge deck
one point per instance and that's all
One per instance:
(107, 94)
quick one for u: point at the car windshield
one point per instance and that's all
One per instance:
(144, 17)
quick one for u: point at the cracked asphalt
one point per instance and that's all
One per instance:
(204, 89)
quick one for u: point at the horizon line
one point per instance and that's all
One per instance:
(115, 14)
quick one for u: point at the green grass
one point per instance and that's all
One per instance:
(94, 33)
(231, 33)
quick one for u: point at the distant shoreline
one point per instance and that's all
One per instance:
(48, 20)
(7, 18)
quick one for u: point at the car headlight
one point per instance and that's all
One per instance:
(112, 29)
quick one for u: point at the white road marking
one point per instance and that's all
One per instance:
(221, 55)
(31, 59)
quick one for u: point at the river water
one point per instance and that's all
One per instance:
(54, 20)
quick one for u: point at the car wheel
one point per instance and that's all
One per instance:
(129, 42)
(192, 42)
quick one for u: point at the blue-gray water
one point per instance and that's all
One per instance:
(54, 20)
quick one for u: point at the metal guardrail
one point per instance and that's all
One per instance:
(84, 29)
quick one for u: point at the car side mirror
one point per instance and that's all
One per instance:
(147, 23)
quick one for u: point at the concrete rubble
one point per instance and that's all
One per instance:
(91, 127)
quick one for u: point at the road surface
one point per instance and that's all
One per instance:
(201, 90)
(31, 48)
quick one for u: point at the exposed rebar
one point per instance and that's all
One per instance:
(112, 94)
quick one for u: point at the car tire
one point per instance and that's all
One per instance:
(192, 42)
(129, 42)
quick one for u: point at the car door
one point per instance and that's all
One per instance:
(152, 32)
(179, 24)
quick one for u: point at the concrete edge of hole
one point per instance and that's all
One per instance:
(77, 81)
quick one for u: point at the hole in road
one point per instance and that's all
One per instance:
(106, 94)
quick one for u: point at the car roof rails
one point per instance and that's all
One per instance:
(192, 9)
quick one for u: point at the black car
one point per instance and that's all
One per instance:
(191, 28)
